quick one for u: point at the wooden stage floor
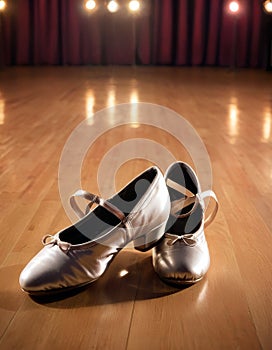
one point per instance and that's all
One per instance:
(231, 308)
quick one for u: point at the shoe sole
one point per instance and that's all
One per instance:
(177, 282)
(58, 292)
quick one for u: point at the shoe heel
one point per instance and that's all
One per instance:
(148, 241)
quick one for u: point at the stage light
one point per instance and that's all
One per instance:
(2, 5)
(234, 6)
(90, 5)
(113, 6)
(134, 5)
(268, 6)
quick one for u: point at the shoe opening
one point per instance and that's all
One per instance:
(100, 221)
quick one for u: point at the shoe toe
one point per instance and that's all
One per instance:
(30, 280)
(182, 266)
(42, 273)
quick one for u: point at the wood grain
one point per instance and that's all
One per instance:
(129, 307)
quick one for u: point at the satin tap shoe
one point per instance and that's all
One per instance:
(182, 255)
(79, 254)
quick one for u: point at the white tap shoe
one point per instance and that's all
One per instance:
(79, 254)
(182, 255)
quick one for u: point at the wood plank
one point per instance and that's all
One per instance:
(231, 308)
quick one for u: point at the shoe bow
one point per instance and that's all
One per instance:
(49, 239)
(188, 239)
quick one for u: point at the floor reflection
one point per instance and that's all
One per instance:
(233, 120)
(267, 125)
(111, 101)
(2, 110)
(134, 99)
(90, 103)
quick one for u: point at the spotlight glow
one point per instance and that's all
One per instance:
(234, 6)
(134, 5)
(2, 5)
(113, 6)
(268, 6)
(90, 5)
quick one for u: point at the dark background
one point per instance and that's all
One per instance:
(167, 32)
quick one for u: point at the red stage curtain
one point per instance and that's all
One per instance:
(171, 32)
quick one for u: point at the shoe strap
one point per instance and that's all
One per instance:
(179, 188)
(190, 198)
(212, 215)
(179, 204)
(92, 198)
